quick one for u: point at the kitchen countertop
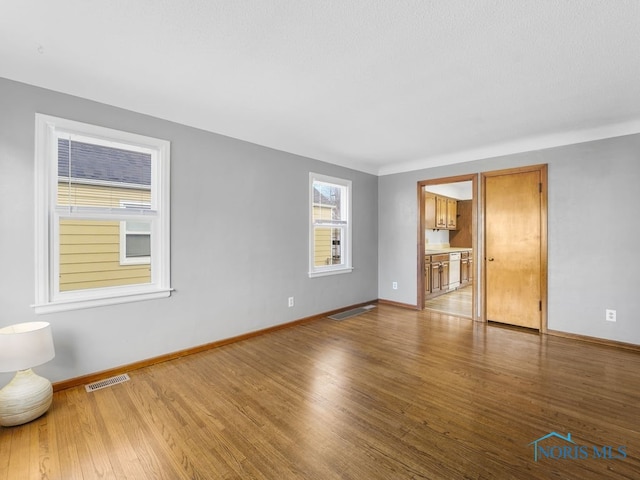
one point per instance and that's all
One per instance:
(437, 251)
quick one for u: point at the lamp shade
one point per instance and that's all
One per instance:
(25, 345)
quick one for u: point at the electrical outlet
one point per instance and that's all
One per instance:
(291, 303)
(610, 315)
(394, 285)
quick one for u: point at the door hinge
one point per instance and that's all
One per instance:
(540, 305)
(540, 187)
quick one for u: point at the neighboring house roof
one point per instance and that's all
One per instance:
(104, 164)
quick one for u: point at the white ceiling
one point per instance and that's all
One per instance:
(381, 86)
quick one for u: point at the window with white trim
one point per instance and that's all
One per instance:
(329, 226)
(102, 216)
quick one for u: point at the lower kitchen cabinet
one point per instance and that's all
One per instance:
(464, 268)
(436, 285)
(444, 274)
(436, 273)
(427, 274)
(438, 268)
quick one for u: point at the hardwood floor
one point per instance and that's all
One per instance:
(390, 394)
(457, 302)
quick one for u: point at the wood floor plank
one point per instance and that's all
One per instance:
(19, 463)
(392, 393)
(5, 452)
(127, 463)
(49, 468)
(90, 441)
(67, 434)
(456, 302)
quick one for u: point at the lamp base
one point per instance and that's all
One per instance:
(25, 398)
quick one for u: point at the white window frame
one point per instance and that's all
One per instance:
(346, 265)
(124, 260)
(48, 297)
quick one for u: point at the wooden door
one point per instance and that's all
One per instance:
(513, 219)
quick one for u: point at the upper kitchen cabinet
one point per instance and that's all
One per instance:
(430, 210)
(452, 211)
(440, 212)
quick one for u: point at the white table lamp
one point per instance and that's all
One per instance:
(28, 395)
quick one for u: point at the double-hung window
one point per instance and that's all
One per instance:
(330, 225)
(102, 216)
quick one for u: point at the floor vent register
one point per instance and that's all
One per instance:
(108, 382)
(351, 313)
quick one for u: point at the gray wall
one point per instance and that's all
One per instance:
(594, 194)
(239, 218)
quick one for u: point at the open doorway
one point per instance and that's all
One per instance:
(447, 243)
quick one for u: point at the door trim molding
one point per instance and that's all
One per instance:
(542, 168)
(473, 178)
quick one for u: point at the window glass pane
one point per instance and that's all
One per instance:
(97, 175)
(90, 256)
(327, 202)
(327, 246)
(136, 227)
(138, 245)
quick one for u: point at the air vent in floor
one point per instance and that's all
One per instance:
(92, 387)
(351, 313)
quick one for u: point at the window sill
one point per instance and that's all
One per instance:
(336, 271)
(78, 304)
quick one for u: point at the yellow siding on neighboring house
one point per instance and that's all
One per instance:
(103, 196)
(90, 249)
(322, 247)
(90, 257)
(322, 236)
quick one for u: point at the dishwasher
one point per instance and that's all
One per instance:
(454, 270)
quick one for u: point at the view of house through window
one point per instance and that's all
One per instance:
(102, 209)
(330, 224)
(102, 253)
(327, 211)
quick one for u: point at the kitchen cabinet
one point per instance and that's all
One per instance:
(444, 274)
(464, 268)
(436, 287)
(452, 212)
(427, 275)
(431, 207)
(440, 213)
(437, 273)
(439, 268)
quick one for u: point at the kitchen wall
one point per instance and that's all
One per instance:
(435, 237)
(594, 190)
(239, 218)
